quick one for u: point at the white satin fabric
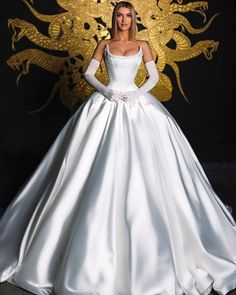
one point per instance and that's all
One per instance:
(119, 205)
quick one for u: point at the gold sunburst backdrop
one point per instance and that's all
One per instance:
(78, 29)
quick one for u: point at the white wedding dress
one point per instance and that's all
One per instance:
(119, 205)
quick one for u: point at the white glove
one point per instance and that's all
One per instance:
(100, 87)
(150, 82)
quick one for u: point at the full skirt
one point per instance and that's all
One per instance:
(119, 205)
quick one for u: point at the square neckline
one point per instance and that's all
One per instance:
(122, 56)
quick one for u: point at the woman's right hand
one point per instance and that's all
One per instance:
(115, 95)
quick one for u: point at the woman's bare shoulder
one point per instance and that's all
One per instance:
(104, 42)
(147, 53)
(98, 53)
(144, 44)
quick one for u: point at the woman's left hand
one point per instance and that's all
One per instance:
(129, 95)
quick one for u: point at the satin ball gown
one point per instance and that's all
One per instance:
(119, 205)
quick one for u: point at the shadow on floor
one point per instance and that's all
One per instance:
(10, 289)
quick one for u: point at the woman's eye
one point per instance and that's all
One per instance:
(129, 15)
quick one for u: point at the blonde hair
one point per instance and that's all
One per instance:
(132, 30)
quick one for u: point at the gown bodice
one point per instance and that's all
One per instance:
(122, 70)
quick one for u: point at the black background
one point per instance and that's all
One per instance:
(208, 121)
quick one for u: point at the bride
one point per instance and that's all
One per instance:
(120, 204)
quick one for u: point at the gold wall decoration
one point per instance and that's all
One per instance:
(76, 31)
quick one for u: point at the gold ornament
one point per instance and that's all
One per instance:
(84, 22)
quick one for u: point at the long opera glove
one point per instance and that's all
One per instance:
(149, 83)
(100, 87)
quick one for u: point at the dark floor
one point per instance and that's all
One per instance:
(222, 177)
(10, 289)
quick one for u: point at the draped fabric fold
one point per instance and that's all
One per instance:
(119, 205)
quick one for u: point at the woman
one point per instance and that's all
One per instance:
(120, 204)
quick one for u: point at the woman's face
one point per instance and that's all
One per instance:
(123, 18)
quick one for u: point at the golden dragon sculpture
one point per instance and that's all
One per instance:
(77, 31)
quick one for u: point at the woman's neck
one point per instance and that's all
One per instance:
(123, 36)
